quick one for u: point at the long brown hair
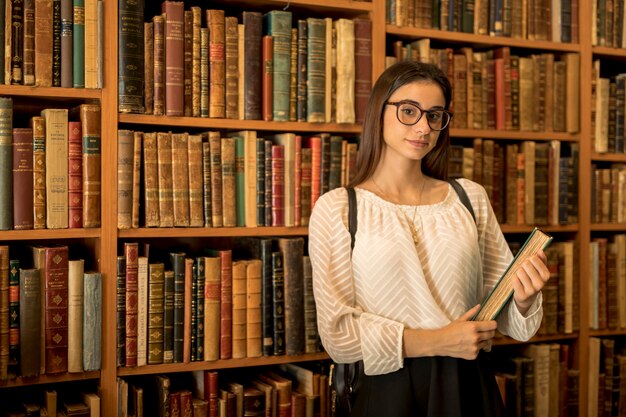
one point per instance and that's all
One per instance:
(435, 163)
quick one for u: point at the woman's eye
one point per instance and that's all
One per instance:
(434, 116)
(409, 111)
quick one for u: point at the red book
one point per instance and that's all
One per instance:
(298, 182)
(278, 185)
(226, 302)
(315, 143)
(174, 57)
(268, 78)
(55, 278)
(131, 251)
(75, 167)
(23, 214)
(210, 391)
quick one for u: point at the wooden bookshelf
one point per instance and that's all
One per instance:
(49, 92)
(51, 379)
(513, 135)
(167, 232)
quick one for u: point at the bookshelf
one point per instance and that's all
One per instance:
(107, 241)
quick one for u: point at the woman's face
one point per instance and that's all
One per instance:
(412, 142)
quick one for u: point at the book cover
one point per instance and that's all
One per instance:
(501, 293)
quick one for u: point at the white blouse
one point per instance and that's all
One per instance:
(365, 298)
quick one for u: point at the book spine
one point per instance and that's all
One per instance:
(148, 67)
(75, 175)
(268, 78)
(231, 68)
(239, 269)
(23, 178)
(180, 178)
(92, 321)
(4, 312)
(226, 304)
(131, 252)
(316, 70)
(130, 56)
(91, 149)
(156, 309)
(362, 67)
(199, 329)
(159, 65)
(91, 43)
(252, 22)
(240, 197)
(165, 180)
(17, 42)
(196, 16)
(29, 42)
(56, 168)
(196, 214)
(76, 283)
(278, 185)
(150, 180)
(56, 43)
(43, 43)
(78, 44)
(30, 321)
(292, 249)
(14, 317)
(56, 309)
(229, 187)
(178, 265)
(254, 312)
(67, 43)
(268, 182)
(293, 76)
(215, 145)
(136, 179)
(206, 184)
(174, 57)
(168, 316)
(204, 72)
(6, 164)
(278, 303)
(260, 182)
(302, 71)
(121, 311)
(279, 28)
(142, 310)
(217, 64)
(212, 297)
(187, 62)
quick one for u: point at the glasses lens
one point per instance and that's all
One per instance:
(408, 114)
(438, 119)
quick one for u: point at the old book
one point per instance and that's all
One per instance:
(278, 185)
(92, 401)
(28, 66)
(91, 44)
(292, 249)
(253, 402)
(4, 312)
(197, 313)
(187, 61)
(158, 27)
(288, 142)
(249, 175)
(37, 123)
(330, 71)
(293, 76)
(305, 185)
(345, 71)
(168, 316)
(75, 175)
(500, 295)
(136, 179)
(142, 310)
(212, 296)
(43, 43)
(194, 153)
(165, 180)
(30, 321)
(252, 22)
(22, 178)
(215, 150)
(267, 150)
(253, 308)
(130, 56)
(190, 310)
(301, 67)
(363, 66)
(226, 302)
(174, 56)
(156, 308)
(311, 334)
(206, 184)
(529, 151)
(131, 252)
(231, 38)
(196, 20)
(6, 182)
(572, 82)
(56, 43)
(239, 272)
(150, 180)
(204, 72)
(279, 28)
(316, 72)
(92, 321)
(241, 62)
(148, 67)
(229, 194)
(283, 387)
(75, 297)
(177, 262)
(120, 310)
(180, 178)
(217, 57)
(14, 317)
(56, 168)
(78, 44)
(267, 78)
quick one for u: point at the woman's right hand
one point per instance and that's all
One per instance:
(460, 339)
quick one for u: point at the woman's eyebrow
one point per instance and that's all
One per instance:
(418, 104)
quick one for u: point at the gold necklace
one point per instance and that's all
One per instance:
(410, 222)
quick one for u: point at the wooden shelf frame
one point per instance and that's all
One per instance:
(50, 379)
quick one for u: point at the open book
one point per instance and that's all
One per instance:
(503, 290)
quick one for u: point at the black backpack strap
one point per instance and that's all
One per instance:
(462, 196)
(352, 222)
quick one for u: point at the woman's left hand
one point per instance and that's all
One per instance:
(531, 278)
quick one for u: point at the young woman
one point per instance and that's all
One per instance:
(402, 299)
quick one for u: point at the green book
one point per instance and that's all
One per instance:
(501, 293)
(279, 27)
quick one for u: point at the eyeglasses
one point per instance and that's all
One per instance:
(409, 113)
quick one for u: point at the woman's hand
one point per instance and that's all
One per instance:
(460, 339)
(531, 278)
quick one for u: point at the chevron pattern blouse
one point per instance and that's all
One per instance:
(366, 298)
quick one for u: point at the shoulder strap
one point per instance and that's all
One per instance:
(462, 196)
(352, 222)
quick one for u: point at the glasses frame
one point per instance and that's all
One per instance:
(397, 104)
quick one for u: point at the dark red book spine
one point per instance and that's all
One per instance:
(56, 305)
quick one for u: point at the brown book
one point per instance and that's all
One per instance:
(187, 62)
(165, 182)
(56, 168)
(229, 192)
(23, 178)
(136, 184)
(293, 76)
(174, 57)
(239, 309)
(345, 71)
(267, 79)
(4, 312)
(253, 309)
(150, 180)
(293, 251)
(158, 23)
(196, 14)
(56, 43)
(253, 402)
(196, 213)
(283, 387)
(231, 68)
(206, 184)
(124, 178)
(131, 252)
(311, 334)
(29, 42)
(156, 309)
(148, 67)
(91, 138)
(67, 43)
(212, 296)
(278, 185)
(572, 82)
(226, 302)
(305, 186)
(30, 322)
(217, 64)
(204, 72)
(38, 125)
(180, 178)
(253, 69)
(75, 297)
(43, 43)
(215, 145)
(363, 66)
(75, 175)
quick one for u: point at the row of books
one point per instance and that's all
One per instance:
(313, 70)
(50, 171)
(284, 390)
(50, 313)
(546, 20)
(51, 43)
(527, 183)
(608, 96)
(608, 193)
(254, 301)
(541, 381)
(240, 180)
(607, 275)
(49, 402)
(607, 376)
(607, 28)
(496, 89)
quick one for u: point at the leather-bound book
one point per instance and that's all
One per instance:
(158, 26)
(288, 142)
(229, 194)
(6, 152)
(75, 175)
(334, 171)
(130, 57)
(239, 271)
(148, 67)
(56, 43)
(67, 43)
(177, 260)
(301, 85)
(136, 182)
(345, 71)
(293, 250)
(197, 326)
(305, 186)
(196, 23)
(278, 185)
(311, 334)
(253, 402)
(196, 212)
(76, 284)
(249, 198)
(142, 310)
(259, 177)
(78, 44)
(200, 407)
(22, 178)
(91, 43)
(297, 211)
(278, 302)
(121, 310)
(206, 184)
(226, 302)
(165, 180)
(168, 316)
(30, 322)
(283, 387)
(231, 39)
(315, 144)
(267, 78)
(215, 148)
(14, 317)
(316, 70)
(217, 64)
(4, 312)
(39, 171)
(174, 399)
(252, 22)
(174, 56)
(131, 253)
(325, 163)
(254, 308)
(362, 66)
(204, 72)
(279, 28)
(212, 296)
(92, 321)
(187, 61)
(43, 43)
(29, 42)
(150, 180)
(91, 137)
(156, 307)
(293, 76)
(268, 182)
(56, 168)
(180, 179)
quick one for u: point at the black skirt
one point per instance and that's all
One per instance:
(432, 387)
